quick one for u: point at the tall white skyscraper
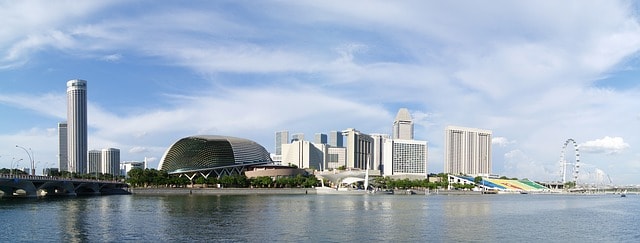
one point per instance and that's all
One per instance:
(111, 161)
(77, 126)
(63, 160)
(403, 125)
(467, 151)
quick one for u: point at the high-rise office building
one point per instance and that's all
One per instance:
(94, 162)
(63, 161)
(320, 138)
(111, 161)
(282, 137)
(304, 154)
(467, 151)
(77, 126)
(359, 149)
(405, 157)
(377, 154)
(297, 137)
(403, 125)
(335, 139)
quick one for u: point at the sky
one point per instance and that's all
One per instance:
(535, 73)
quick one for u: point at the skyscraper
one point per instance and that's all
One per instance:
(297, 137)
(111, 161)
(335, 139)
(467, 151)
(63, 160)
(94, 162)
(77, 126)
(359, 149)
(282, 137)
(403, 125)
(320, 138)
(377, 157)
(405, 157)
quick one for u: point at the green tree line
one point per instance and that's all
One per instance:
(14, 171)
(159, 178)
(390, 183)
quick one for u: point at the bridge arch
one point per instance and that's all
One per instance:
(18, 187)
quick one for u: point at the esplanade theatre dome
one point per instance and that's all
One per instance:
(211, 151)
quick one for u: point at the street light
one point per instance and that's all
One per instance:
(11, 169)
(33, 170)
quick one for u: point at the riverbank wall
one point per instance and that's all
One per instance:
(221, 191)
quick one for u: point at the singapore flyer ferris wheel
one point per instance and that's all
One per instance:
(564, 163)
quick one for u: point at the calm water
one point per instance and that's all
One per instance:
(324, 218)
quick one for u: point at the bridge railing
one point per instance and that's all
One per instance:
(54, 178)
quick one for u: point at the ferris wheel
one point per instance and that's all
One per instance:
(564, 162)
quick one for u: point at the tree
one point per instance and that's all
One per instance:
(477, 180)
(569, 185)
(201, 180)
(310, 181)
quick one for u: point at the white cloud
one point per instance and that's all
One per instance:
(51, 105)
(31, 26)
(524, 70)
(112, 58)
(519, 164)
(607, 145)
(501, 141)
(137, 150)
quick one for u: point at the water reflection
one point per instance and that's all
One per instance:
(327, 218)
(74, 220)
(467, 218)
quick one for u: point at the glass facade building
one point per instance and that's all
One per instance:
(209, 152)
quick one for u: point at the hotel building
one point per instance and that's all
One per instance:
(77, 126)
(467, 151)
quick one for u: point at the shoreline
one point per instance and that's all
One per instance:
(311, 191)
(221, 191)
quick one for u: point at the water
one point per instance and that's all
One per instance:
(323, 218)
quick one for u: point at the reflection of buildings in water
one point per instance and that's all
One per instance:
(75, 221)
(465, 220)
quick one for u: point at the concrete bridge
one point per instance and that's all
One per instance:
(47, 186)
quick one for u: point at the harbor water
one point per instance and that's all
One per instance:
(322, 218)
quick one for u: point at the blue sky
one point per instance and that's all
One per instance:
(534, 72)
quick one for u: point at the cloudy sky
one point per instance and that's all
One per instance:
(536, 73)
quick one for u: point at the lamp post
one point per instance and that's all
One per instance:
(11, 169)
(33, 170)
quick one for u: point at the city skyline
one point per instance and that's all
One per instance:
(162, 71)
